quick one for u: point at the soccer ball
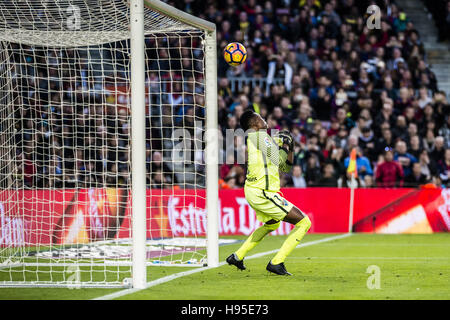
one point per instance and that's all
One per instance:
(235, 54)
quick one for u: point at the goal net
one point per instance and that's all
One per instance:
(67, 207)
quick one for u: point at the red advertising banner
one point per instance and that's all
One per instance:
(411, 211)
(44, 217)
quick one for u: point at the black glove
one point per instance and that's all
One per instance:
(287, 139)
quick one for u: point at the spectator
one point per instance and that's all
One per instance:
(385, 116)
(415, 148)
(416, 178)
(368, 181)
(312, 172)
(367, 143)
(389, 173)
(298, 181)
(425, 166)
(363, 165)
(424, 98)
(336, 159)
(158, 167)
(400, 129)
(444, 167)
(236, 177)
(279, 68)
(438, 151)
(404, 158)
(158, 180)
(328, 178)
(444, 131)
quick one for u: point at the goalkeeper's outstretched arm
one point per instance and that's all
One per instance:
(286, 165)
(286, 151)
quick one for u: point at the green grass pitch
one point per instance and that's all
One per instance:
(409, 267)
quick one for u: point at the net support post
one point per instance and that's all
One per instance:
(212, 151)
(138, 147)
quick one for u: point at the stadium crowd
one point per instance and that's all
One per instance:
(343, 86)
(331, 81)
(72, 119)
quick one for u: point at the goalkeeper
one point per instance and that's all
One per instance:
(266, 156)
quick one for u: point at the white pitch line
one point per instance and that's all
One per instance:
(370, 258)
(186, 273)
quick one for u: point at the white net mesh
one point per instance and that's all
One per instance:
(65, 189)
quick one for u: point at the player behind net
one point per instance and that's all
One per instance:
(266, 157)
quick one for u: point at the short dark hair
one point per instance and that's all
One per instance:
(245, 119)
(365, 129)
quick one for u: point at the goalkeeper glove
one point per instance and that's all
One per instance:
(287, 139)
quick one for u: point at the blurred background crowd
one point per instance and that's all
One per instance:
(72, 117)
(315, 68)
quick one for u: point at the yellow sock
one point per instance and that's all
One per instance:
(295, 236)
(255, 238)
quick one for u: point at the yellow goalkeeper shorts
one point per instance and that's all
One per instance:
(267, 205)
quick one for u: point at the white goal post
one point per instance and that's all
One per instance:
(92, 95)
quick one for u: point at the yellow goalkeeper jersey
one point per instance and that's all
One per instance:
(265, 160)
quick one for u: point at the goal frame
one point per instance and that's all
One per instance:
(138, 132)
(138, 137)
